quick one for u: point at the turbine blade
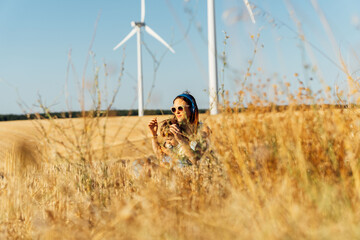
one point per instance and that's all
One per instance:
(157, 37)
(142, 10)
(249, 10)
(126, 38)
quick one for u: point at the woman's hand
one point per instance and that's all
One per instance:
(184, 143)
(174, 129)
(153, 126)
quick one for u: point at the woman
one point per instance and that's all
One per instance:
(192, 136)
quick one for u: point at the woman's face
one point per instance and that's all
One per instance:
(183, 115)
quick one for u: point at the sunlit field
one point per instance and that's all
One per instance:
(270, 174)
(283, 162)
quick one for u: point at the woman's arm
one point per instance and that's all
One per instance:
(153, 126)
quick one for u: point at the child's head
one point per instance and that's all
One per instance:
(169, 139)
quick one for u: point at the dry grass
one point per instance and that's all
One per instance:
(292, 174)
(287, 175)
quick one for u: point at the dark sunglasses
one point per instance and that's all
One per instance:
(180, 108)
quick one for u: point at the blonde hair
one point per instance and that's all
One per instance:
(165, 125)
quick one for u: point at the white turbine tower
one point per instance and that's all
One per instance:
(137, 29)
(213, 81)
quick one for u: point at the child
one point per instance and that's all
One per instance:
(164, 152)
(170, 152)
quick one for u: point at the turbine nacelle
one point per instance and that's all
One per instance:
(138, 24)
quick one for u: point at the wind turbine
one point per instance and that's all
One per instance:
(137, 29)
(212, 53)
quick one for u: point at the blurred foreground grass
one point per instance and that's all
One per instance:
(274, 175)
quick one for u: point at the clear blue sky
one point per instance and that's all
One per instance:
(36, 37)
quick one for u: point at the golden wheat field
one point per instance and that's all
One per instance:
(292, 174)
